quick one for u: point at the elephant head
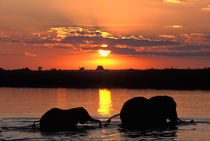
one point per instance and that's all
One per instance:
(85, 117)
(164, 109)
(58, 119)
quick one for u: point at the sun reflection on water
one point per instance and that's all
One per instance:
(105, 102)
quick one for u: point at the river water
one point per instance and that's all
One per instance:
(19, 107)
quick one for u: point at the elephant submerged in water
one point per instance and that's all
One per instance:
(141, 113)
(57, 119)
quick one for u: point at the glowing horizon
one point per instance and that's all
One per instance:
(74, 34)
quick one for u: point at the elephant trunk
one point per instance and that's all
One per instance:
(174, 119)
(109, 120)
(96, 120)
(174, 122)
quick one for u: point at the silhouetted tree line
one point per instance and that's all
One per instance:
(141, 79)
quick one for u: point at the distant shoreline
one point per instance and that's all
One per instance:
(175, 79)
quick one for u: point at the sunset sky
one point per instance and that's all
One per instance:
(138, 34)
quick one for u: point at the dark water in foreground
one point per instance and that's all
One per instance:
(20, 106)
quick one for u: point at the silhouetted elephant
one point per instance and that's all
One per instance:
(142, 113)
(58, 119)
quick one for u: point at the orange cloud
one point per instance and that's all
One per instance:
(206, 8)
(174, 26)
(195, 39)
(172, 1)
(29, 54)
(91, 37)
(86, 39)
(167, 36)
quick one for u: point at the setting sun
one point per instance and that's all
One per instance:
(104, 52)
(104, 45)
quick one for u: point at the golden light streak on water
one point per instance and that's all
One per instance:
(105, 102)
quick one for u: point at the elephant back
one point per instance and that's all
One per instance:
(134, 113)
(56, 119)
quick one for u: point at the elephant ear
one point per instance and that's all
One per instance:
(82, 115)
(85, 117)
(82, 121)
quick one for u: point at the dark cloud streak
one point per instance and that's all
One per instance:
(111, 42)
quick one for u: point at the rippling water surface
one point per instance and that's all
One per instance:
(19, 107)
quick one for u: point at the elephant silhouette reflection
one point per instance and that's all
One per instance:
(58, 119)
(142, 113)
